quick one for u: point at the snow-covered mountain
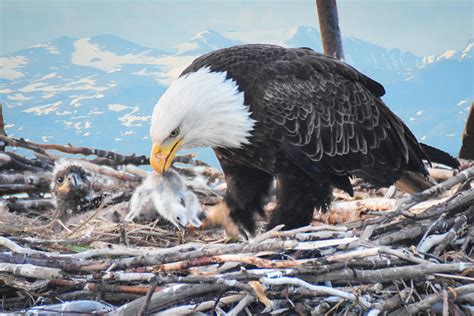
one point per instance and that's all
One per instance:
(203, 43)
(451, 54)
(382, 64)
(100, 91)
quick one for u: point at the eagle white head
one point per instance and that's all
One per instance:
(199, 109)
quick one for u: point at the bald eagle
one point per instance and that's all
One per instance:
(304, 118)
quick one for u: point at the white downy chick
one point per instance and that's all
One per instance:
(168, 196)
(187, 197)
(193, 208)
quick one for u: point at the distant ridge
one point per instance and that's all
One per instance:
(100, 90)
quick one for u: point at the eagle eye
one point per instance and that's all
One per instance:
(174, 132)
(60, 180)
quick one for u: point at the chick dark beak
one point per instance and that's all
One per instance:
(74, 180)
(181, 227)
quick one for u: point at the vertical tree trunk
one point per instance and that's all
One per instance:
(467, 147)
(2, 128)
(329, 26)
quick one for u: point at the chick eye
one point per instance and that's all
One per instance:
(174, 132)
(60, 180)
(178, 218)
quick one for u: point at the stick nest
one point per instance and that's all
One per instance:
(380, 252)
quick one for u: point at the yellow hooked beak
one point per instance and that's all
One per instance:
(162, 157)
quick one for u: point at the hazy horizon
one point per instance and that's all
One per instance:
(428, 28)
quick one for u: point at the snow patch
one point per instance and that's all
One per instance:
(44, 109)
(9, 65)
(462, 102)
(117, 107)
(89, 54)
(63, 113)
(47, 96)
(50, 48)
(95, 112)
(187, 46)
(127, 133)
(18, 97)
(278, 36)
(75, 99)
(447, 54)
(50, 76)
(83, 84)
(130, 120)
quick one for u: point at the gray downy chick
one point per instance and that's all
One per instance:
(71, 189)
(167, 195)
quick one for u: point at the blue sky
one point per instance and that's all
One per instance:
(423, 27)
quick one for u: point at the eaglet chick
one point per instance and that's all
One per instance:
(71, 190)
(168, 196)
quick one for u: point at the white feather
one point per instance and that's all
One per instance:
(207, 108)
(164, 195)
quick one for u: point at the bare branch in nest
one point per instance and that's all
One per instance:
(31, 271)
(25, 144)
(405, 204)
(169, 296)
(412, 230)
(27, 205)
(390, 274)
(371, 264)
(12, 161)
(2, 128)
(428, 302)
(241, 258)
(95, 287)
(85, 151)
(451, 235)
(25, 182)
(316, 288)
(21, 283)
(108, 171)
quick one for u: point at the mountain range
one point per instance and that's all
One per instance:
(100, 91)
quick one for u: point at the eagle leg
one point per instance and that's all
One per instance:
(297, 197)
(247, 189)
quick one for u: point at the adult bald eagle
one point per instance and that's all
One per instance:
(307, 119)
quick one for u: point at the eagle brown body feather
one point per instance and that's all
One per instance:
(318, 122)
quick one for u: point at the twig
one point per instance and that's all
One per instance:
(321, 289)
(41, 148)
(31, 271)
(407, 203)
(201, 307)
(428, 231)
(2, 128)
(153, 285)
(451, 235)
(168, 296)
(445, 303)
(390, 274)
(241, 305)
(430, 300)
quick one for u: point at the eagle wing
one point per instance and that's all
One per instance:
(328, 118)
